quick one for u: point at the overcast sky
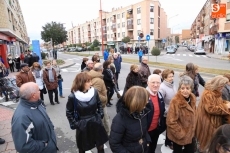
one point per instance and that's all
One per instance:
(38, 12)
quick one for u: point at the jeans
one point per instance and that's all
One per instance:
(60, 87)
(50, 92)
(140, 59)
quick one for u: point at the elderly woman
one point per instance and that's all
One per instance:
(181, 117)
(211, 111)
(168, 91)
(129, 130)
(133, 78)
(38, 75)
(84, 112)
(226, 89)
(60, 79)
(220, 142)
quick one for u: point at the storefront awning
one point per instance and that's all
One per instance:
(9, 33)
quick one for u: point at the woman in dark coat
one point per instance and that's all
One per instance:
(109, 81)
(83, 64)
(133, 78)
(84, 113)
(129, 129)
(17, 62)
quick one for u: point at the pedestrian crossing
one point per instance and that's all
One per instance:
(184, 55)
(74, 69)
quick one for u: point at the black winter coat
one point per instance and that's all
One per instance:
(133, 79)
(129, 132)
(108, 79)
(90, 131)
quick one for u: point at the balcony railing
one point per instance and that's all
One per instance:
(114, 38)
(201, 31)
(89, 34)
(103, 23)
(130, 27)
(130, 36)
(129, 16)
(114, 29)
(202, 24)
(114, 21)
(89, 29)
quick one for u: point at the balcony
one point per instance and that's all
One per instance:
(227, 26)
(130, 36)
(198, 28)
(114, 38)
(114, 29)
(213, 30)
(89, 34)
(89, 29)
(201, 31)
(104, 29)
(198, 24)
(114, 21)
(194, 30)
(203, 13)
(129, 16)
(198, 19)
(228, 5)
(130, 27)
(103, 23)
(202, 24)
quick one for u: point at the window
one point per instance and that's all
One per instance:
(123, 34)
(123, 14)
(158, 33)
(138, 21)
(159, 11)
(159, 22)
(118, 35)
(138, 10)
(151, 32)
(118, 16)
(118, 25)
(111, 35)
(123, 24)
(151, 20)
(151, 8)
(228, 16)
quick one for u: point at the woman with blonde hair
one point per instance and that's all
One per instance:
(211, 111)
(129, 129)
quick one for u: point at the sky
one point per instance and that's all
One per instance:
(39, 12)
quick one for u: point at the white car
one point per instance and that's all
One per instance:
(170, 50)
(199, 50)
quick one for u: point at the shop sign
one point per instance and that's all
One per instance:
(5, 37)
(110, 43)
(218, 10)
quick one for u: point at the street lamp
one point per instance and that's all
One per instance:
(174, 26)
(171, 18)
(102, 43)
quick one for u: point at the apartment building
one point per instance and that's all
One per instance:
(186, 37)
(211, 33)
(145, 17)
(13, 33)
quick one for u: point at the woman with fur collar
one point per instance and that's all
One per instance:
(84, 112)
(211, 110)
(181, 117)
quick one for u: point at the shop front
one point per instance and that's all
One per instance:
(5, 47)
(222, 43)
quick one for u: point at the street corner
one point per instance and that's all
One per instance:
(68, 63)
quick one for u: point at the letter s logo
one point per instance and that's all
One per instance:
(215, 8)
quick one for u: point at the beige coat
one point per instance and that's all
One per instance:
(210, 113)
(98, 83)
(181, 119)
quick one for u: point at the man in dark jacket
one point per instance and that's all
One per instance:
(156, 119)
(28, 58)
(32, 129)
(117, 62)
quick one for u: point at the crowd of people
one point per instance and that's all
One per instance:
(150, 105)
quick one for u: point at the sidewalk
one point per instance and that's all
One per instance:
(222, 57)
(5, 128)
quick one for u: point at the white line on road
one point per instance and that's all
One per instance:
(64, 70)
(184, 54)
(7, 103)
(190, 55)
(204, 56)
(197, 55)
(178, 54)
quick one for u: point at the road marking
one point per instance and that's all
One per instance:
(184, 54)
(178, 54)
(197, 55)
(204, 56)
(190, 55)
(8, 103)
(64, 70)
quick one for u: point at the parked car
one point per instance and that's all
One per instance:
(79, 49)
(192, 48)
(199, 50)
(175, 46)
(170, 50)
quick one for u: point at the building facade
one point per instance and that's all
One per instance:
(13, 33)
(211, 33)
(145, 17)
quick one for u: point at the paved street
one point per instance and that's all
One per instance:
(184, 56)
(66, 136)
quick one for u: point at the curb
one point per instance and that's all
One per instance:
(67, 65)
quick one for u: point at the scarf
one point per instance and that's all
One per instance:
(37, 73)
(50, 74)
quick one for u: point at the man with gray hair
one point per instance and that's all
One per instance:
(98, 83)
(32, 129)
(156, 119)
(89, 66)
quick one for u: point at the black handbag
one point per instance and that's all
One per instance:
(44, 91)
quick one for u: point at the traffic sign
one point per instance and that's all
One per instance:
(147, 37)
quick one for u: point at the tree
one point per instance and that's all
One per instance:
(95, 43)
(155, 52)
(54, 30)
(125, 40)
(176, 39)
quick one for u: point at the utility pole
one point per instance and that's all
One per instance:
(102, 35)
